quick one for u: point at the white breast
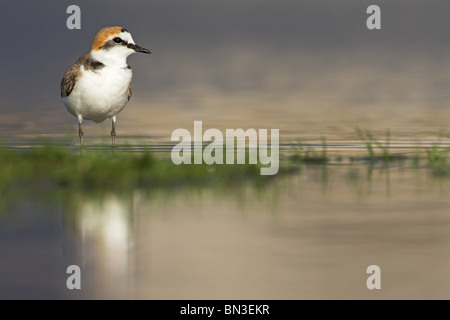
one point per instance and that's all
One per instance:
(100, 94)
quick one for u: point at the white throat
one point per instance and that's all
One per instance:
(114, 57)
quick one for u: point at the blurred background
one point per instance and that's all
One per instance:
(309, 68)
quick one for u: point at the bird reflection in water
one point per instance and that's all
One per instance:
(99, 239)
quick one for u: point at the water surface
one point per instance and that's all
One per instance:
(306, 235)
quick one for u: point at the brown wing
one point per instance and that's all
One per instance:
(68, 81)
(130, 90)
(70, 77)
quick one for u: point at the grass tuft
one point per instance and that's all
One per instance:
(305, 154)
(367, 138)
(437, 159)
(53, 165)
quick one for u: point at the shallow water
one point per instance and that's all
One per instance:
(287, 65)
(308, 235)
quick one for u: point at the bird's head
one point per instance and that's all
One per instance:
(114, 45)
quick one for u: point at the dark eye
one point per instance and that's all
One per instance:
(117, 40)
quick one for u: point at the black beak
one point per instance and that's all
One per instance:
(137, 48)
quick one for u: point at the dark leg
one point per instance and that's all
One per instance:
(113, 131)
(80, 130)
